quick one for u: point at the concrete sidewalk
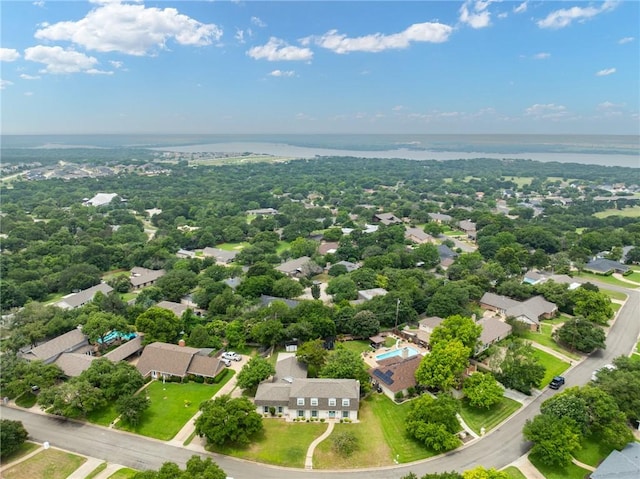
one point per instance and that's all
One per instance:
(308, 462)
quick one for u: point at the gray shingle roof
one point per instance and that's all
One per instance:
(497, 301)
(289, 368)
(493, 329)
(68, 342)
(73, 364)
(83, 297)
(603, 265)
(294, 265)
(272, 394)
(140, 276)
(623, 464)
(126, 349)
(166, 358)
(176, 308)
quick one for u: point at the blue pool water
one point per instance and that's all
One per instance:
(113, 335)
(398, 352)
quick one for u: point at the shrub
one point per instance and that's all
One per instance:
(272, 411)
(345, 443)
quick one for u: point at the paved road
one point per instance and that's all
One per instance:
(499, 448)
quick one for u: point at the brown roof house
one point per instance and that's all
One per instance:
(76, 300)
(395, 374)
(176, 308)
(143, 277)
(531, 311)
(162, 360)
(73, 341)
(221, 256)
(493, 330)
(299, 267)
(296, 397)
(416, 235)
(386, 219)
(469, 227)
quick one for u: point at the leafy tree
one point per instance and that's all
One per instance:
(132, 407)
(593, 306)
(346, 364)
(176, 283)
(254, 372)
(345, 443)
(342, 287)
(434, 422)
(268, 332)
(287, 288)
(623, 384)
(555, 440)
(482, 473)
(444, 365)
(466, 330)
(364, 324)
(159, 324)
(12, 436)
(315, 291)
(100, 324)
(313, 354)
(76, 397)
(582, 335)
(255, 286)
(428, 254)
(303, 247)
(113, 379)
(520, 369)
(337, 270)
(450, 299)
(482, 390)
(226, 420)
(197, 468)
(18, 374)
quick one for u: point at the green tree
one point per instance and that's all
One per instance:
(287, 288)
(482, 473)
(200, 338)
(582, 335)
(313, 354)
(268, 332)
(623, 384)
(345, 443)
(434, 422)
(520, 369)
(555, 440)
(346, 364)
(159, 324)
(254, 372)
(315, 291)
(364, 324)
(593, 306)
(100, 324)
(228, 421)
(444, 365)
(75, 398)
(466, 330)
(113, 379)
(303, 247)
(197, 468)
(482, 390)
(131, 408)
(450, 299)
(342, 287)
(12, 436)
(177, 283)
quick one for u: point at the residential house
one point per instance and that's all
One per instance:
(416, 235)
(395, 375)
(623, 464)
(162, 360)
(221, 256)
(143, 277)
(493, 330)
(76, 300)
(176, 308)
(328, 247)
(605, 266)
(100, 199)
(368, 294)
(534, 277)
(263, 212)
(296, 267)
(266, 300)
(184, 253)
(295, 396)
(73, 341)
(386, 219)
(469, 227)
(531, 311)
(497, 303)
(349, 265)
(447, 256)
(440, 218)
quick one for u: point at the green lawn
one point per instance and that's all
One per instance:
(514, 473)
(26, 400)
(592, 451)
(281, 443)
(520, 180)
(48, 463)
(23, 450)
(104, 416)
(615, 294)
(97, 471)
(635, 277)
(477, 418)
(554, 472)
(629, 212)
(168, 411)
(553, 366)
(359, 346)
(124, 473)
(544, 338)
(283, 246)
(233, 246)
(603, 279)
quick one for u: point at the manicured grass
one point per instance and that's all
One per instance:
(477, 418)
(26, 400)
(635, 277)
(281, 443)
(555, 472)
(97, 471)
(553, 366)
(389, 341)
(603, 279)
(282, 246)
(49, 464)
(168, 411)
(629, 212)
(124, 473)
(592, 451)
(392, 417)
(359, 346)
(514, 473)
(615, 294)
(233, 246)
(520, 180)
(544, 338)
(126, 297)
(104, 416)
(23, 450)
(616, 307)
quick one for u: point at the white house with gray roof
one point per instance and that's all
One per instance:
(76, 300)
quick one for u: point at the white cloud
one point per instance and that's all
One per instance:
(398, 108)
(4, 84)
(565, 16)
(59, 60)
(503, 15)
(239, 35)
(520, 8)
(304, 117)
(131, 29)
(549, 111)
(24, 76)
(28, 93)
(541, 55)
(116, 64)
(278, 50)
(476, 15)
(257, 22)
(39, 3)
(605, 72)
(8, 55)
(609, 106)
(280, 73)
(624, 40)
(377, 42)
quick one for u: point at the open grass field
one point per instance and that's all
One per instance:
(358, 346)
(544, 338)
(520, 180)
(554, 472)
(615, 294)
(232, 246)
(281, 443)
(172, 405)
(47, 464)
(629, 212)
(553, 366)
(514, 473)
(592, 451)
(27, 400)
(477, 418)
(603, 279)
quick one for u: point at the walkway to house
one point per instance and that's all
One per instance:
(553, 352)
(619, 277)
(308, 462)
(529, 470)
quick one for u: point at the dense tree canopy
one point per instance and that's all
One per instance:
(226, 420)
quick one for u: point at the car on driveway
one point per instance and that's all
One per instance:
(556, 382)
(226, 362)
(231, 356)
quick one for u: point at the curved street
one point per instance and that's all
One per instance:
(498, 448)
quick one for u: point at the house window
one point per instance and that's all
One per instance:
(265, 409)
(300, 401)
(332, 401)
(300, 413)
(345, 403)
(279, 409)
(345, 414)
(314, 413)
(314, 401)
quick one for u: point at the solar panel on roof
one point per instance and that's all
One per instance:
(385, 377)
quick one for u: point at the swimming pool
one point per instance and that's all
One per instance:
(113, 335)
(398, 352)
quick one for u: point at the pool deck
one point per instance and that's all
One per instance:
(370, 356)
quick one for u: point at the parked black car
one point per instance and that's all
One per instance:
(556, 382)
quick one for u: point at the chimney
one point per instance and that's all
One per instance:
(181, 343)
(405, 353)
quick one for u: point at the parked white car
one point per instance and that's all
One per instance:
(232, 356)
(226, 362)
(594, 376)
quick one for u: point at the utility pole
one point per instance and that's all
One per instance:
(397, 311)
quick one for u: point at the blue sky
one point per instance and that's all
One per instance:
(490, 66)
